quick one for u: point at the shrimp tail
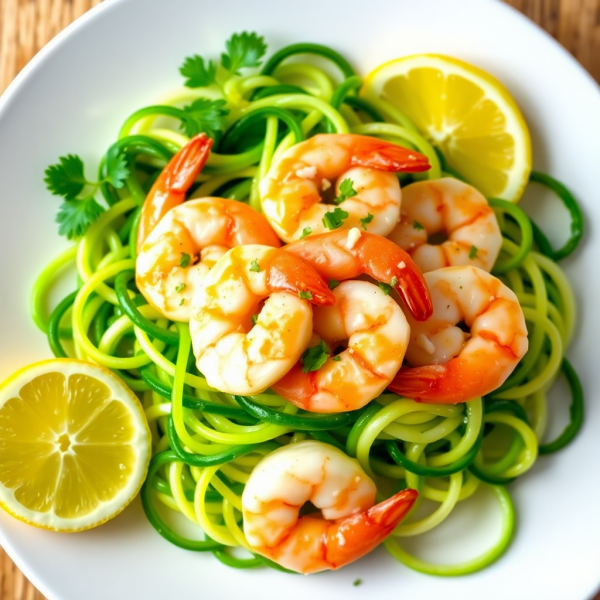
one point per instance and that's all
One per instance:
(386, 262)
(391, 157)
(172, 184)
(352, 537)
(289, 273)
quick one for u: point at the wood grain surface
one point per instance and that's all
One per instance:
(27, 25)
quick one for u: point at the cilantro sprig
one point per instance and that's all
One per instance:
(242, 51)
(346, 191)
(334, 219)
(80, 209)
(204, 115)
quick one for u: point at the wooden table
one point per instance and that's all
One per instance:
(27, 25)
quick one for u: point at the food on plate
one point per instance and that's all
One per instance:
(309, 392)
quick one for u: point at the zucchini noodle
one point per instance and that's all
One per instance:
(205, 442)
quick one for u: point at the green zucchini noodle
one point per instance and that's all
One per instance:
(206, 443)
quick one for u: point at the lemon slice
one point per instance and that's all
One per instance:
(468, 114)
(74, 445)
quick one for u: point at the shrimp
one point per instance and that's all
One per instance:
(170, 187)
(449, 366)
(251, 319)
(344, 254)
(350, 525)
(377, 334)
(179, 252)
(291, 193)
(456, 210)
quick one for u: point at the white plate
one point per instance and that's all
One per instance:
(73, 98)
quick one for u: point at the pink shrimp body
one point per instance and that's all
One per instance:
(350, 525)
(293, 190)
(344, 254)
(457, 211)
(450, 366)
(251, 319)
(376, 333)
(175, 258)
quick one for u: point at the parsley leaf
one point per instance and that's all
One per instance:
(306, 231)
(335, 219)
(254, 319)
(75, 216)
(417, 226)
(346, 191)
(366, 220)
(314, 358)
(357, 582)
(254, 266)
(243, 50)
(337, 358)
(185, 260)
(182, 302)
(65, 178)
(196, 73)
(305, 295)
(473, 252)
(204, 115)
(116, 169)
(333, 284)
(386, 288)
(180, 287)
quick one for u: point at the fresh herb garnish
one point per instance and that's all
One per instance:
(254, 319)
(346, 191)
(337, 358)
(185, 260)
(206, 116)
(473, 252)
(417, 226)
(386, 288)
(335, 218)
(394, 281)
(180, 287)
(333, 284)
(305, 295)
(243, 50)
(306, 231)
(365, 220)
(197, 73)
(254, 266)
(75, 216)
(314, 358)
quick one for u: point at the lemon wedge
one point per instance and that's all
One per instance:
(466, 113)
(74, 445)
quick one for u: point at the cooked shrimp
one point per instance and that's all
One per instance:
(449, 366)
(350, 525)
(455, 210)
(170, 187)
(251, 319)
(177, 255)
(377, 335)
(344, 254)
(292, 191)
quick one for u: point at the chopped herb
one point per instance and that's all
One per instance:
(254, 266)
(385, 288)
(305, 295)
(473, 252)
(254, 319)
(346, 191)
(185, 260)
(337, 358)
(366, 220)
(243, 50)
(417, 226)
(75, 216)
(357, 582)
(204, 115)
(314, 358)
(197, 73)
(306, 231)
(333, 284)
(394, 281)
(335, 219)
(182, 302)
(180, 288)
